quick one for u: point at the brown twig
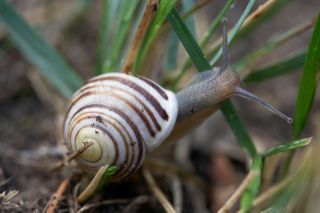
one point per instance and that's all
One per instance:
(53, 202)
(157, 192)
(149, 12)
(236, 195)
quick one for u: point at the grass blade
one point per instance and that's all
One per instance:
(126, 13)
(188, 41)
(165, 7)
(238, 129)
(261, 15)
(106, 177)
(189, 21)
(308, 83)
(286, 147)
(234, 30)
(170, 60)
(283, 66)
(109, 9)
(204, 41)
(49, 63)
(202, 64)
(253, 189)
(101, 178)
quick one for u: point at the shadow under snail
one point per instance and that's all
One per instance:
(125, 117)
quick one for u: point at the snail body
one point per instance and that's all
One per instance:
(123, 117)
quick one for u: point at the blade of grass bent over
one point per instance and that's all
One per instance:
(49, 63)
(98, 182)
(308, 83)
(202, 64)
(286, 147)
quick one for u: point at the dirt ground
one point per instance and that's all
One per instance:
(30, 122)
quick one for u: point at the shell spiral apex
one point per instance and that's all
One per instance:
(122, 117)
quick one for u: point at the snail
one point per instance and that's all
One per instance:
(125, 117)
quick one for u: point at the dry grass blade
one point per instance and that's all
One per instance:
(5, 198)
(267, 195)
(149, 12)
(177, 193)
(91, 188)
(157, 192)
(106, 202)
(258, 12)
(236, 195)
(53, 202)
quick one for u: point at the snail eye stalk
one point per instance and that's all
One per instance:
(245, 94)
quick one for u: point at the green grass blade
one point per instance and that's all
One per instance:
(170, 60)
(308, 83)
(234, 30)
(214, 25)
(109, 9)
(286, 147)
(253, 188)
(189, 21)
(106, 177)
(204, 41)
(202, 64)
(283, 66)
(238, 128)
(49, 63)
(125, 20)
(165, 7)
(188, 41)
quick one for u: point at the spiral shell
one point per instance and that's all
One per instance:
(122, 117)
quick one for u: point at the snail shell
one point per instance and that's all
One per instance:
(123, 117)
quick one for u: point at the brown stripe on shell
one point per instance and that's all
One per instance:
(151, 99)
(124, 117)
(73, 102)
(125, 165)
(132, 106)
(145, 107)
(141, 115)
(154, 86)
